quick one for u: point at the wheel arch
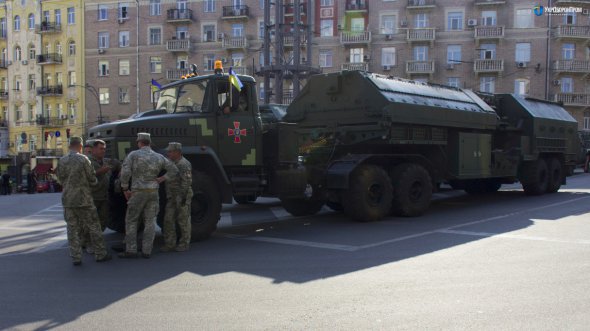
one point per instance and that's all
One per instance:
(204, 159)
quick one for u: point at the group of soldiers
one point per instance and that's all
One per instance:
(86, 177)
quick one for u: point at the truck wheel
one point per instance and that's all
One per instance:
(335, 206)
(483, 186)
(535, 177)
(205, 206)
(245, 199)
(412, 190)
(555, 175)
(118, 206)
(368, 197)
(304, 206)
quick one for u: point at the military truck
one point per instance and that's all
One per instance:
(367, 144)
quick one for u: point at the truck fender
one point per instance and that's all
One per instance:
(204, 159)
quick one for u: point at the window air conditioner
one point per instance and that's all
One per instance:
(101, 51)
(387, 67)
(472, 22)
(521, 64)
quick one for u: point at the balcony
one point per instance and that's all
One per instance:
(289, 40)
(47, 27)
(358, 7)
(46, 152)
(488, 66)
(3, 94)
(362, 66)
(179, 16)
(489, 32)
(234, 43)
(489, 2)
(573, 99)
(235, 12)
(51, 58)
(420, 67)
(421, 4)
(3, 64)
(572, 31)
(289, 9)
(572, 66)
(420, 34)
(175, 74)
(178, 45)
(355, 37)
(50, 90)
(49, 121)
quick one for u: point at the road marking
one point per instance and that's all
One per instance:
(339, 247)
(516, 236)
(279, 212)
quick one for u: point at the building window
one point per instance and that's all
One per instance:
(421, 53)
(356, 55)
(31, 114)
(325, 58)
(31, 82)
(455, 21)
(3, 27)
(568, 51)
(31, 22)
(32, 52)
(454, 54)
(155, 64)
(421, 21)
(182, 32)
(209, 33)
(71, 16)
(17, 53)
(587, 120)
(388, 56)
(208, 62)
(123, 95)
(155, 36)
(72, 112)
(155, 7)
(454, 82)
(72, 47)
(325, 3)
(103, 40)
(569, 18)
(123, 38)
(17, 23)
(18, 114)
(59, 78)
(388, 24)
(487, 51)
(524, 18)
(57, 14)
(209, 6)
(71, 78)
(237, 30)
(521, 86)
(123, 11)
(46, 16)
(487, 84)
(103, 12)
(58, 48)
(17, 83)
(488, 18)
(567, 85)
(103, 68)
(124, 68)
(103, 93)
(523, 52)
(237, 60)
(327, 28)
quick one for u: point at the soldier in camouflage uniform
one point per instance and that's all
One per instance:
(103, 167)
(76, 175)
(178, 205)
(142, 167)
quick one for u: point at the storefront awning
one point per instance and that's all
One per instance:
(42, 169)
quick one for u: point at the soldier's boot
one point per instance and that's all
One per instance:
(127, 255)
(182, 248)
(167, 249)
(77, 262)
(105, 258)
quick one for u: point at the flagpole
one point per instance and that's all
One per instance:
(230, 89)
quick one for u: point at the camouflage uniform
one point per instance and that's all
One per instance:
(178, 205)
(76, 176)
(100, 192)
(143, 167)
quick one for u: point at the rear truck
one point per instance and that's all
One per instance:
(367, 144)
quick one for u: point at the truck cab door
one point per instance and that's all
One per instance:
(236, 139)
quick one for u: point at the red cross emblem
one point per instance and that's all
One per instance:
(237, 133)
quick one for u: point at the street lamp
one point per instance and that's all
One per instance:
(94, 92)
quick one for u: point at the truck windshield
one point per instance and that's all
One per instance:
(189, 97)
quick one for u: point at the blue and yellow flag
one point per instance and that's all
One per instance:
(233, 78)
(156, 86)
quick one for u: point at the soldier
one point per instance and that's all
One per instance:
(76, 175)
(88, 147)
(143, 167)
(103, 168)
(178, 205)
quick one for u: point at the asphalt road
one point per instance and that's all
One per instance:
(499, 262)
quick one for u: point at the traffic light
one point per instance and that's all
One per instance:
(68, 133)
(46, 136)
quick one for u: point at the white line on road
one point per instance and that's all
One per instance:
(339, 247)
(515, 236)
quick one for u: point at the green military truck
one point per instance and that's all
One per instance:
(367, 144)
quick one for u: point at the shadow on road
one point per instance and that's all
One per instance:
(47, 290)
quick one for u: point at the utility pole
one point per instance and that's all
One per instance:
(284, 35)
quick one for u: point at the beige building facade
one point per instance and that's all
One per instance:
(493, 46)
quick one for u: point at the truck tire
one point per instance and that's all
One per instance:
(245, 199)
(555, 175)
(205, 206)
(369, 194)
(304, 206)
(412, 190)
(535, 177)
(482, 186)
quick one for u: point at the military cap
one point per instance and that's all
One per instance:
(174, 146)
(98, 141)
(89, 143)
(76, 140)
(144, 136)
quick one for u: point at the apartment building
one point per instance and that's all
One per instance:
(39, 41)
(494, 46)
